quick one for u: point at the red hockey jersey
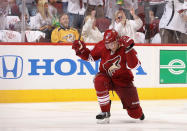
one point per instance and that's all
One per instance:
(118, 65)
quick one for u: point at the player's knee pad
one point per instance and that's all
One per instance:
(102, 82)
(135, 112)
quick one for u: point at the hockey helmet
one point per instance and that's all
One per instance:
(110, 36)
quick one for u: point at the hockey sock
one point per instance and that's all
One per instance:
(102, 83)
(104, 101)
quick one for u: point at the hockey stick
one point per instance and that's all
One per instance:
(84, 17)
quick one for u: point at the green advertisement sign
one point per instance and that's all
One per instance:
(173, 66)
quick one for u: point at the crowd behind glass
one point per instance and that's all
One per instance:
(59, 21)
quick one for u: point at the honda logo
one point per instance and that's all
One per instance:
(11, 67)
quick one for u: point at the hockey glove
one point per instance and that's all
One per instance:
(127, 42)
(79, 47)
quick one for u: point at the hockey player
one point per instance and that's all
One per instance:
(117, 59)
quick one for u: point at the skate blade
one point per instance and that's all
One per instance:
(103, 121)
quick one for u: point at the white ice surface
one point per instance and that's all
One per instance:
(162, 115)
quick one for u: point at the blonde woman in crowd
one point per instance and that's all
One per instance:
(90, 32)
(43, 19)
(128, 27)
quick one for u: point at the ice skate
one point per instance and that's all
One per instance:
(103, 118)
(142, 117)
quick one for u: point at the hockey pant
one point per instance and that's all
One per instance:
(128, 95)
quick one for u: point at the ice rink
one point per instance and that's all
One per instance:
(162, 115)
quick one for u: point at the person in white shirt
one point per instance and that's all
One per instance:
(110, 8)
(172, 25)
(97, 5)
(90, 32)
(18, 24)
(128, 27)
(76, 12)
(126, 5)
(43, 19)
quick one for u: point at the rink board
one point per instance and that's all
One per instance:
(43, 73)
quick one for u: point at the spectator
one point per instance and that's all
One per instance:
(18, 25)
(183, 14)
(172, 24)
(31, 8)
(157, 6)
(90, 32)
(128, 27)
(43, 19)
(152, 35)
(183, 11)
(52, 9)
(126, 5)
(12, 8)
(95, 5)
(3, 14)
(76, 12)
(3, 22)
(9, 14)
(65, 6)
(30, 36)
(103, 24)
(56, 4)
(54, 13)
(64, 33)
(110, 8)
